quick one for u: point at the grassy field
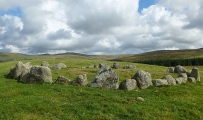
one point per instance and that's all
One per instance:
(55, 101)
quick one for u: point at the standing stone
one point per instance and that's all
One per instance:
(179, 69)
(116, 65)
(19, 70)
(62, 80)
(159, 82)
(62, 65)
(129, 67)
(101, 65)
(170, 69)
(38, 74)
(143, 79)
(179, 80)
(128, 84)
(170, 80)
(183, 76)
(106, 78)
(192, 79)
(59, 66)
(81, 80)
(195, 73)
(189, 73)
(45, 64)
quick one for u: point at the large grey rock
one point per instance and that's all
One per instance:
(62, 80)
(81, 80)
(179, 69)
(195, 73)
(170, 80)
(159, 82)
(192, 79)
(170, 69)
(38, 74)
(128, 84)
(129, 67)
(102, 65)
(106, 78)
(19, 70)
(143, 79)
(183, 76)
(56, 67)
(179, 80)
(59, 66)
(189, 73)
(45, 64)
(116, 65)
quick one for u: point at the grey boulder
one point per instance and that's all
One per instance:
(143, 79)
(195, 73)
(116, 65)
(183, 76)
(192, 79)
(170, 80)
(81, 80)
(106, 78)
(128, 84)
(179, 69)
(37, 74)
(19, 70)
(159, 82)
(62, 80)
(170, 69)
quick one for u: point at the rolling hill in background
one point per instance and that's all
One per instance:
(154, 55)
(164, 55)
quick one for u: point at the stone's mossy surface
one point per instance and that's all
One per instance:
(195, 73)
(116, 65)
(62, 80)
(170, 80)
(170, 69)
(81, 80)
(159, 82)
(183, 76)
(143, 79)
(128, 84)
(192, 79)
(106, 78)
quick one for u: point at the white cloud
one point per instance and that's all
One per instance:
(101, 26)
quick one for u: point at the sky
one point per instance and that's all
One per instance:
(99, 27)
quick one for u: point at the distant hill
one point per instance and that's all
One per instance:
(164, 55)
(153, 55)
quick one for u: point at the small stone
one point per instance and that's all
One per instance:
(140, 99)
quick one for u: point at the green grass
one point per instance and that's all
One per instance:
(54, 101)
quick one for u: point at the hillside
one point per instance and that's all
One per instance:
(164, 55)
(5, 56)
(154, 55)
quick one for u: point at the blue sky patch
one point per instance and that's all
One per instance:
(14, 12)
(145, 4)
